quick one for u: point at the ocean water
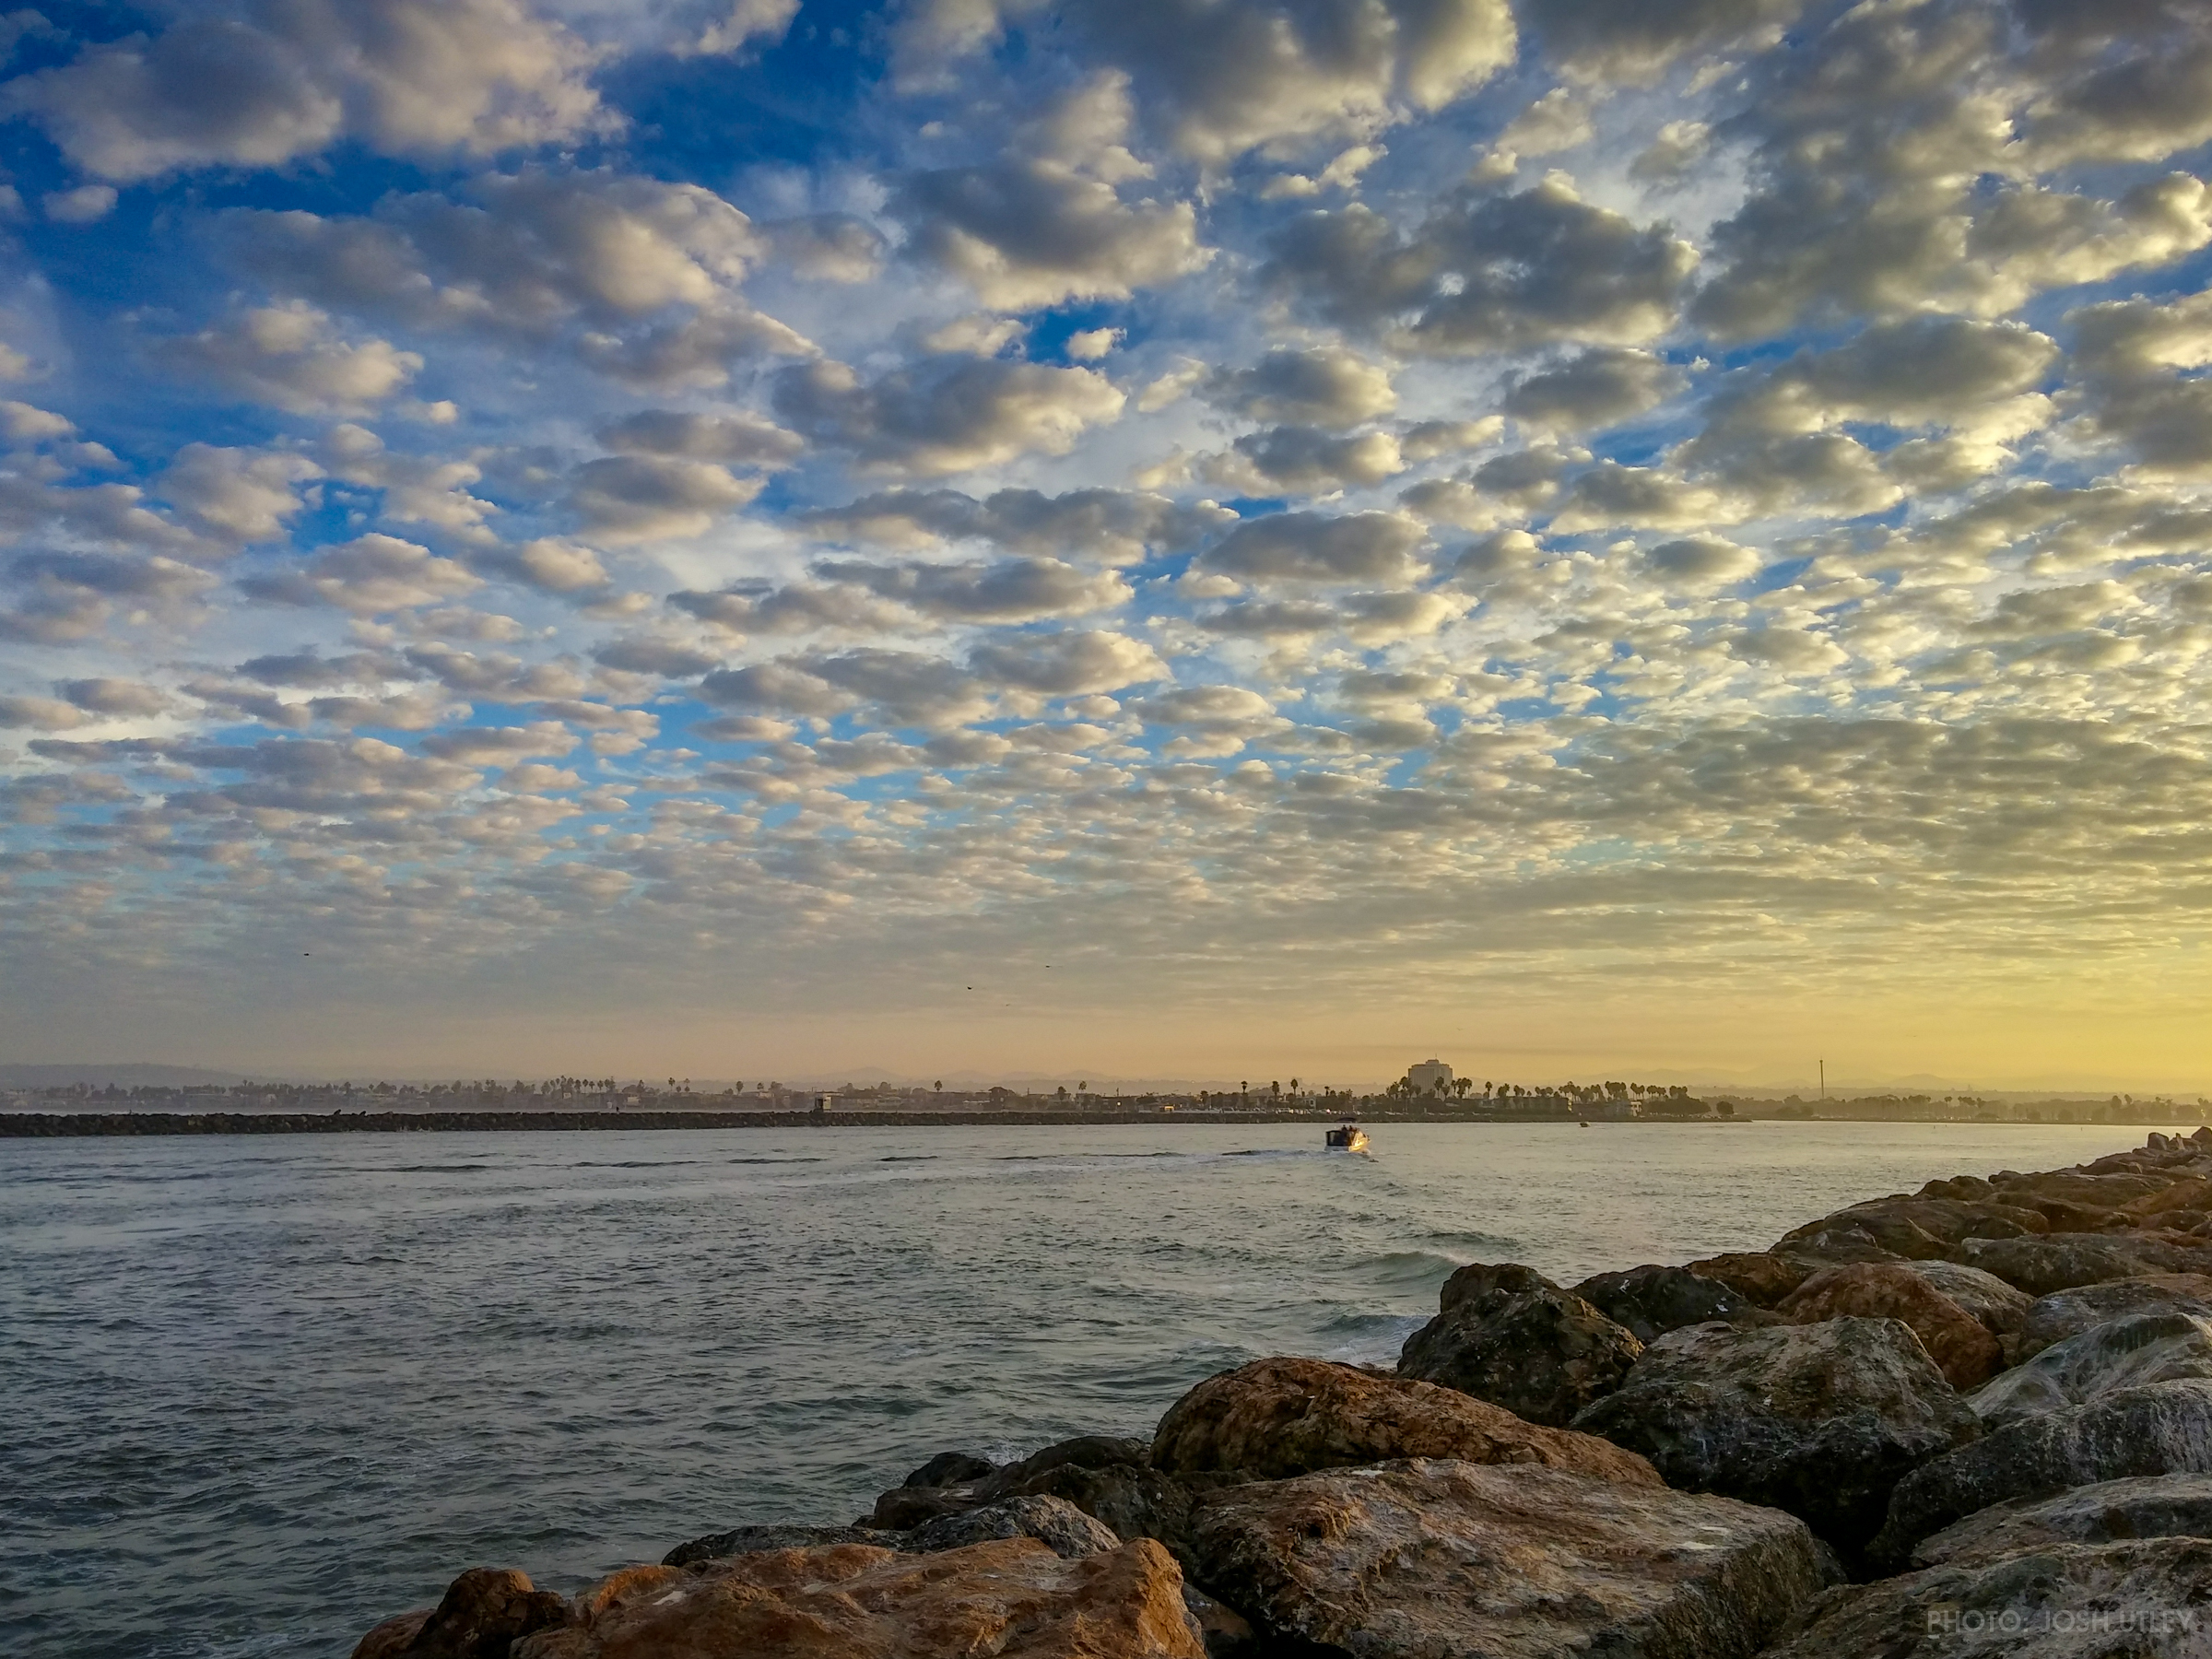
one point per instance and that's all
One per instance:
(257, 1393)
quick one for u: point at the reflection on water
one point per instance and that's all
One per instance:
(260, 1393)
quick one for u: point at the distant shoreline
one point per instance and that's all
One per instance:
(62, 1125)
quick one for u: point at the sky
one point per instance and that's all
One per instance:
(1209, 537)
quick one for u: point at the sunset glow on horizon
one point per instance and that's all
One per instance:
(1149, 539)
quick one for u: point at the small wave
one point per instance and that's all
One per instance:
(1409, 1268)
(909, 1158)
(770, 1160)
(469, 1169)
(1475, 1241)
(1369, 1338)
(641, 1163)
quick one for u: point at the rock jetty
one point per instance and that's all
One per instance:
(1975, 1419)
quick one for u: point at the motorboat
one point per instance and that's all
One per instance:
(1349, 1138)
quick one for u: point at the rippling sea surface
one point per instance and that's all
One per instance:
(257, 1393)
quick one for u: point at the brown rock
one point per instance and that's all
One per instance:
(2190, 1193)
(1963, 1348)
(2001, 1308)
(484, 1612)
(1427, 1559)
(390, 1639)
(1010, 1598)
(750, 1540)
(1276, 1418)
(1756, 1275)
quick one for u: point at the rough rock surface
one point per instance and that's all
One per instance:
(389, 1639)
(2127, 1352)
(2069, 1601)
(1136, 1503)
(1039, 1474)
(1963, 1348)
(2066, 1313)
(2165, 1428)
(1011, 1598)
(1056, 1523)
(1648, 1302)
(483, 1612)
(2190, 1193)
(950, 1468)
(1818, 1419)
(1277, 1418)
(1541, 1352)
(1226, 1632)
(2002, 1309)
(1920, 1228)
(1756, 1275)
(1482, 1288)
(2062, 1261)
(2111, 1511)
(750, 1540)
(1427, 1557)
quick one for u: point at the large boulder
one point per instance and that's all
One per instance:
(2002, 1309)
(2067, 1601)
(1647, 1302)
(1411, 1560)
(389, 1639)
(1517, 1340)
(967, 1482)
(2111, 1511)
(1136, 1502)
(1277, 1418)
(1963, 1348)
(1757, 1276)
(2062, 1261)
(951, 1468)
(751, 1540)
(1056, 1523)
(2164, 1428)
(1920, 1228)
(1820, 1419)
(1012, 1598)
(2192, 1193)
(2066, 1313)
(2127, 1352)
(483, 1614)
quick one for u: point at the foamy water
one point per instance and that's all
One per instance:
(259, 1391)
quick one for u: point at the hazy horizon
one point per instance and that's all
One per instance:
(1593, 539)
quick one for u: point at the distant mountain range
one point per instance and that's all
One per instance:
(119, 1077)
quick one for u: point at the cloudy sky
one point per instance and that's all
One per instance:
(1205, 538)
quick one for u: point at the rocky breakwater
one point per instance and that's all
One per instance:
(1976, 1418)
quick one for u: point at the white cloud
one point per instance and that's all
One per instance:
(83, 205)
(946, 415)
(404, 76)
(371, 575)
(292, 358)
(647, 498)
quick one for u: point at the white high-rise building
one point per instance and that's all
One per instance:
(1430, 1076)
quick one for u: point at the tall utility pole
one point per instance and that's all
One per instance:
(1823, 1078)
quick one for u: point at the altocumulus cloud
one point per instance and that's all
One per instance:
(1468, 492)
